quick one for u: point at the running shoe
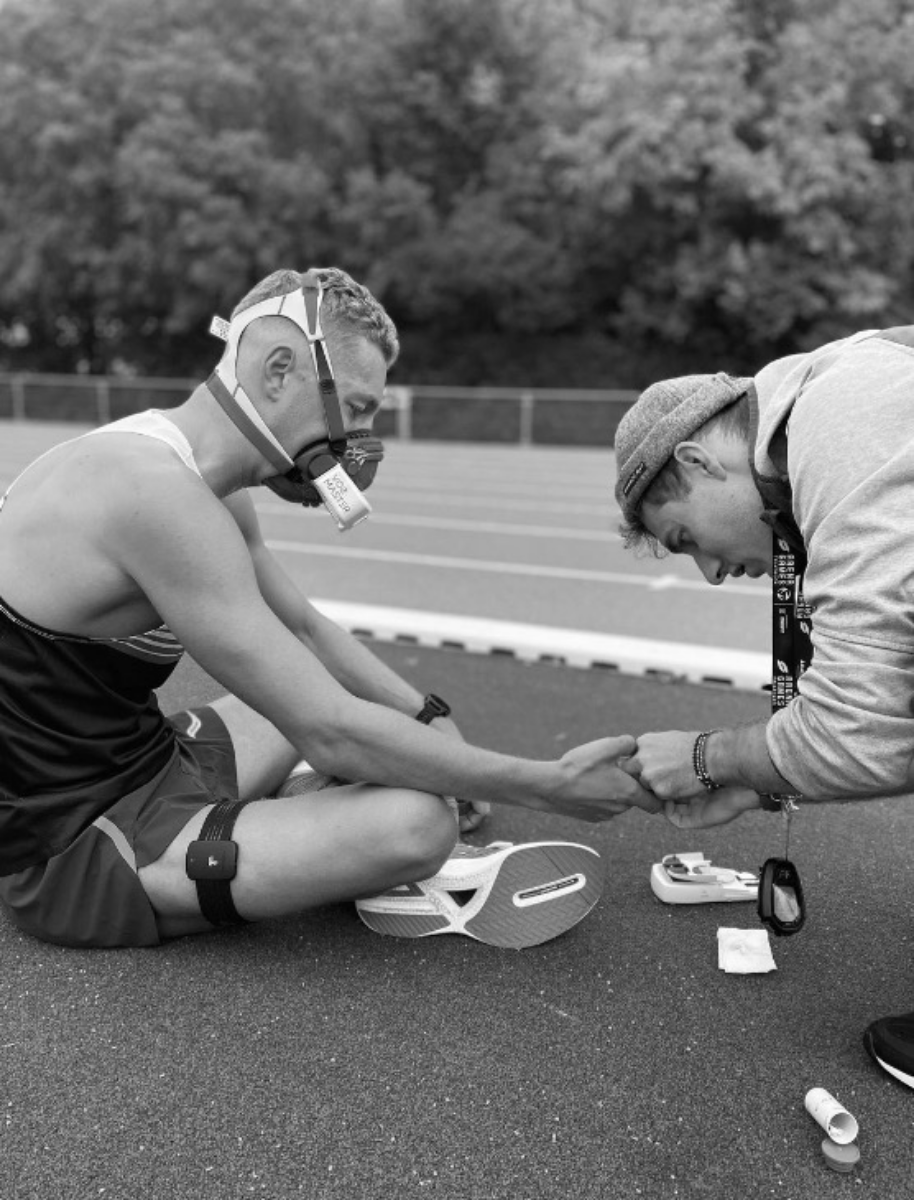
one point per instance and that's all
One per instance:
(505, 895)
(890, 1043)
(304, 779)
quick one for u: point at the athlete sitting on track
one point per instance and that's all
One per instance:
(122, 548)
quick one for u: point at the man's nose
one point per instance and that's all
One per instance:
(712, 568)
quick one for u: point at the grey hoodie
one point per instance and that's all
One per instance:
(849, 408)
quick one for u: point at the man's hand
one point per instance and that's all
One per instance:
(597, 787)
(663, 763)
(471, 814)
(711, 808)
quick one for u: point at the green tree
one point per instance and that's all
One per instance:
(571, 192)
(156, 159)
(730, 201)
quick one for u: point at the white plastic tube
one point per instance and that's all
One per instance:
(834, 1118)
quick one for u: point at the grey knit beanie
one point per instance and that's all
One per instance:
(664, 415)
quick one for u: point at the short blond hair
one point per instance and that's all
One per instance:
(348, 306)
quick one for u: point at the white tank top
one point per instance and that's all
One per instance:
(157, 644)
(152, 423)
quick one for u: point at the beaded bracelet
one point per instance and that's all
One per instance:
(698, 761)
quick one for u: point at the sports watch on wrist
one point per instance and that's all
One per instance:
(432, 707)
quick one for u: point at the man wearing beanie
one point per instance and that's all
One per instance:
(813, 457)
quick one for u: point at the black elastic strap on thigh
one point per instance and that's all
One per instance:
(212, 862)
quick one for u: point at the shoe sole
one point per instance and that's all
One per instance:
(404, 925)
(908, 1080)
(538, 893)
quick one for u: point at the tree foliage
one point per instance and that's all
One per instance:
(571, 192)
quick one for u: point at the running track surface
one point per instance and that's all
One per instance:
(310, 1057)
(313, 1058)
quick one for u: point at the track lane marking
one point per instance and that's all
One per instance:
(465, 525)
(529, 570)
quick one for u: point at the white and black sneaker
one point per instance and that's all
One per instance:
(890, 1043)
(506, 895)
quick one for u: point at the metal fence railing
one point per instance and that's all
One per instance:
(549, 416)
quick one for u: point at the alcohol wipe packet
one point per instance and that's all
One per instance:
(744, 951)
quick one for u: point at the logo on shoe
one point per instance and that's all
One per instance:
(549, 891)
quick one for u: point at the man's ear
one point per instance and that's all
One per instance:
(695, 457)
(277, 367)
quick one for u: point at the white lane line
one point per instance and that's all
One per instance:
(662, 582)
(531, 570)
(394, 495)
(460, 525)
(466, 481)
(745, 670)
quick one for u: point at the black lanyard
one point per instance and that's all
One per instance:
(781, 906)
(791, 644)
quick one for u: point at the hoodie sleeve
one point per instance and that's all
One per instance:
(850, 732)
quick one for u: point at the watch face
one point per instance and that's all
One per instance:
(432, 707)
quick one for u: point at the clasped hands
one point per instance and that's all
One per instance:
(654, 773)
(663, 765)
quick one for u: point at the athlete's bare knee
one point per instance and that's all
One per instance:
(422, 832)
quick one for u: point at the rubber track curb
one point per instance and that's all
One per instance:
(745, 670)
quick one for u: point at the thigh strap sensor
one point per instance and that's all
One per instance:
(212, 862)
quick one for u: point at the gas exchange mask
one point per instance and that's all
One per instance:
(333, 471)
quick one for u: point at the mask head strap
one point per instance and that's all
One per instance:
(312, 293)
(303, 308)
